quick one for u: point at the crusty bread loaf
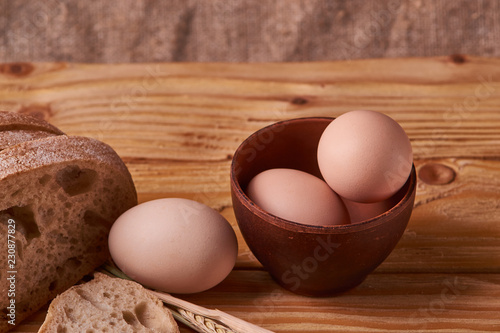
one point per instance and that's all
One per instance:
(16, 128)
(107, 304)
(63, 193)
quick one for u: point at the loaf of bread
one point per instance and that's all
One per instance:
(107, 304)
(60, 196)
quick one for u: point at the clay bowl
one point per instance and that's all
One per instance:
(305, 259)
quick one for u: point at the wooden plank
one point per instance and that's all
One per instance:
(447, 109)
(177, 125)
(382, 303)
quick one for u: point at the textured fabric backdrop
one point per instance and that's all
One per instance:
(244, 30)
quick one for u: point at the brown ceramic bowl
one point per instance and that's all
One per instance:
(306, 259)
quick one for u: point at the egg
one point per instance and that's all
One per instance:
(359, 211)
(365, 156)
(174, 245)
(297, 196)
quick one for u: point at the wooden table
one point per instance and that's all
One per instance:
(176, 127)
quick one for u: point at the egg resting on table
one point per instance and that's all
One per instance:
(174, 245)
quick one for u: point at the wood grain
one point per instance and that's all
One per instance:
(383, 303)
(176, 127)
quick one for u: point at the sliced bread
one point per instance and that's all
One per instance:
(107, 304)
(63, 194)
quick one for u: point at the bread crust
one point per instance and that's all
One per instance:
(63, 194)
(16, 128)
(14, 137)
(11, 121)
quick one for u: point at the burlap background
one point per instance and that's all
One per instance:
(245, 30)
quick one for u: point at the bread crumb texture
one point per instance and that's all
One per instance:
(107, 304)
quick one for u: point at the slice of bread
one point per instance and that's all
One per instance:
(16, 128)
(107, 304)
(63, 194)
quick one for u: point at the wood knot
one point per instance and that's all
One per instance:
(458, 58)
(299, 101)
(18, 69)
(436, 174)
(42, 112)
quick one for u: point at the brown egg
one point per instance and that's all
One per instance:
(174, 245)
(359, 211)
(365, 156)
(297, 196)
